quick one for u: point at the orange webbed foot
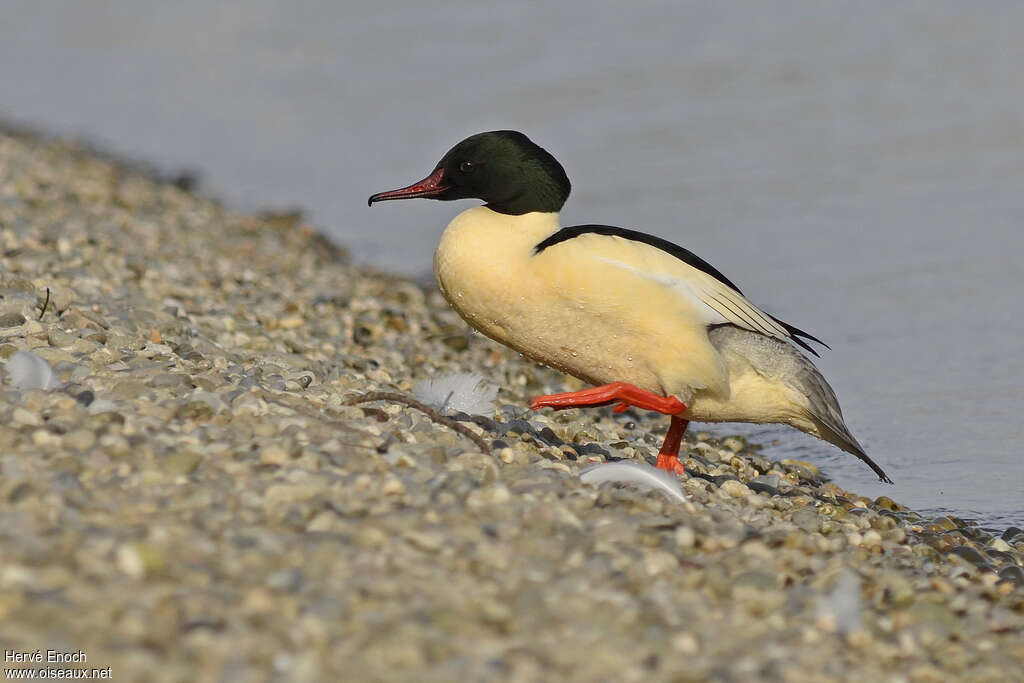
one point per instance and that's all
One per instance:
(670, 463)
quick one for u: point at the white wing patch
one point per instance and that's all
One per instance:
(719, 303)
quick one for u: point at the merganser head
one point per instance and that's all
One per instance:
(503, 168)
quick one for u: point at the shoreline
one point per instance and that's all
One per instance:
(199, 498)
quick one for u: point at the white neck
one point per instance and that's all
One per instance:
(501, 226)
(481, 244)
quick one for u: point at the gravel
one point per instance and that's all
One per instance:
(197, 500)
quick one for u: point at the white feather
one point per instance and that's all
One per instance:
(26, 370)
(634, 473)
(716, 302)
(465, 392)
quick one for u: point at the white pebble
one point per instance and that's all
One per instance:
(736, 489)
(1000, 544)
(130, 562)
(686, 643)
(685, 537)
(392, 487)
(47, 439)
(871, 539)
(102, 405)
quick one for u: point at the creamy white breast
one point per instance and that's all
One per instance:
(569, 308)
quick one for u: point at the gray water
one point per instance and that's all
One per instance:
(856, 168)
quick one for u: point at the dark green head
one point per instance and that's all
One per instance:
(503, 168)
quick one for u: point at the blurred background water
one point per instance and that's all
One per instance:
(857, 168)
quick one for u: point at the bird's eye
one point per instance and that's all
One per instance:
(466, 166)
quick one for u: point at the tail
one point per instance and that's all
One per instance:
(838, 435)
(781, 362)
(825, 413)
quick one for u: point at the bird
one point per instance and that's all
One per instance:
(648, 323)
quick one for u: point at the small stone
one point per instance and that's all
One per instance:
(686, 644)
(80, 439)
(43, 438)
(393, 486)
(806, 519)
(12, 320)
(801, 463)
(758, 487)
(167, 380)
(274, 455)
(60, 338)
(886, 503)
(871, 539)
(899, 591)
(938, 618)
(284, 494)
(194, 410)
(685, 537)
(926, 552)
(1012, 574)
(943, 524)
(755, 501)
(124, 342)
(734, 443)
(130, 562)
(103, 406)
(970, 554)
(20, 284)
(286, 580)
(325, 521)
(427, 541)
(657, 561)
(756, 578)
(128, 389)
(184, 462)
(770, 480)
(735, 489)
(25, 417)
(1000, 545)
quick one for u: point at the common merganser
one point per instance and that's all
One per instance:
(650, 323)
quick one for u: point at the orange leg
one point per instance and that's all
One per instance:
(627, 395)
(668, 456)
(624, 394)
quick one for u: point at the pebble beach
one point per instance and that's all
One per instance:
(231, 478)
